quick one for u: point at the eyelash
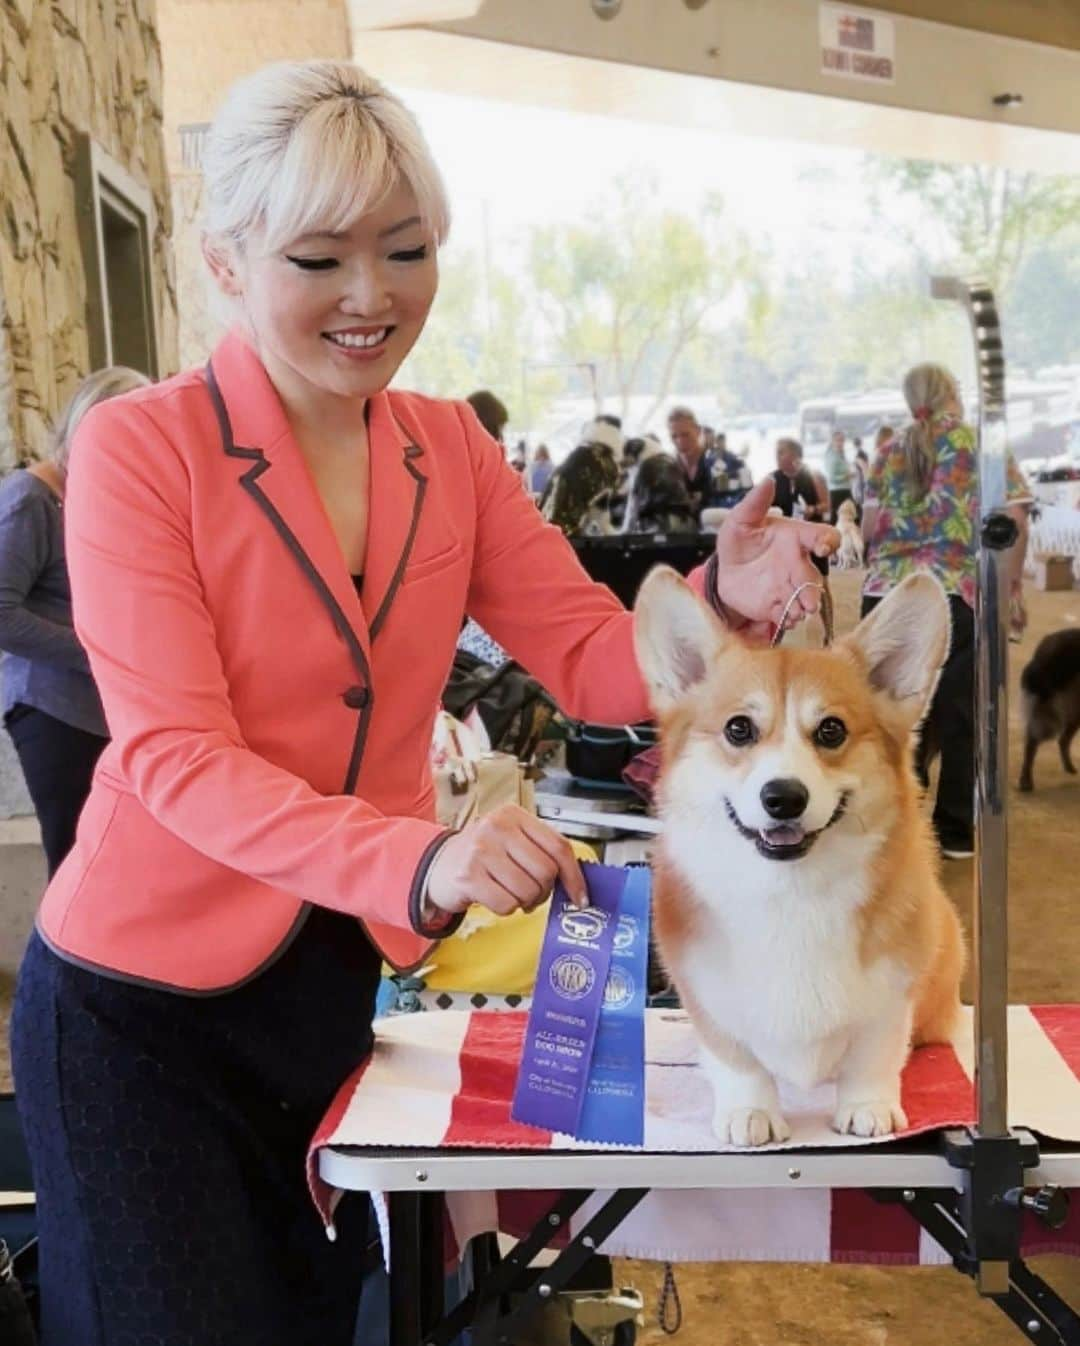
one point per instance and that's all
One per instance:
(328, 263)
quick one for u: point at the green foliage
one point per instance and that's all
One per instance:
(664, 302)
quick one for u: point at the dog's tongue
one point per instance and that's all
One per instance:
(785, 834)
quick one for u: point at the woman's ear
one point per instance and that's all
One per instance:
(220, 259)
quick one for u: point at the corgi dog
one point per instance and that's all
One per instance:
(797, 904)
(851, 541)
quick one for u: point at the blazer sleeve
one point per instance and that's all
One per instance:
(141, 615)
(529, 591)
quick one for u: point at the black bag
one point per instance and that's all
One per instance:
(597, 754)
(513, 707)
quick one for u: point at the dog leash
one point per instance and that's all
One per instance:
(825, 611)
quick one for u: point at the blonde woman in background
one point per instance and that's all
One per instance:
(920, 514)
(51, 707)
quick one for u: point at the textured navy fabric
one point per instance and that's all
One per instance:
(168, 1136)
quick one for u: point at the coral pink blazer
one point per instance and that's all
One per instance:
(270, 729)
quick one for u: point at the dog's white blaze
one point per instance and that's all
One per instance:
(777, 965)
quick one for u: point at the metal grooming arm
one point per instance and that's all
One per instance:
(992, 1158)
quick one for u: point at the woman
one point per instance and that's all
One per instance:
(51, 708)
(837, 473)
(270, 560)
(920, 514)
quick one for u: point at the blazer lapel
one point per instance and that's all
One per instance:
(255, 433)
(398, 487)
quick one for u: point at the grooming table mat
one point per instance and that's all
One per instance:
(438, 1082)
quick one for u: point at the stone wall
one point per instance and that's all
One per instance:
(69, 66)
(206, 46)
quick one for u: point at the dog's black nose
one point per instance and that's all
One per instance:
(784, 799)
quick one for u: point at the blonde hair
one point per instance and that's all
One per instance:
(927, 389)
(97, 387)
(309, 146)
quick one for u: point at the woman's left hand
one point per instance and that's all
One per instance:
(762, 559)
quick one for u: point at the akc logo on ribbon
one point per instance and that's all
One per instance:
(572, 977)
(619, 990)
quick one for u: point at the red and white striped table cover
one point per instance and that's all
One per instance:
(447, 1079)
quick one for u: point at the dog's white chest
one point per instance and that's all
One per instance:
(786, 980)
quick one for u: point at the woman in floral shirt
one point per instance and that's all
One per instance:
(920, 514)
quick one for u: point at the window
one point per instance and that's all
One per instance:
(116, 227)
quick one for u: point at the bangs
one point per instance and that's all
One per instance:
(340, 162)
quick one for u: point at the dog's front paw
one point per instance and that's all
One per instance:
(749, 1127)
(876, 1117)
(1026, 785)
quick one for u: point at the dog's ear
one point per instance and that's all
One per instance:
(677, 638)
(904, 642)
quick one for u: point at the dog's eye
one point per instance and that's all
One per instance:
(740, 730)
(831, 732)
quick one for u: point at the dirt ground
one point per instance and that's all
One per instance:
(791, 1305)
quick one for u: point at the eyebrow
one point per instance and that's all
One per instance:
(336, 235)
(400, 227)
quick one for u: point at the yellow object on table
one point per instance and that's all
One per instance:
(492, 955)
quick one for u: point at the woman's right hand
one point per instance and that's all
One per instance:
(508, 860)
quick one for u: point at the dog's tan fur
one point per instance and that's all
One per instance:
(902, 920)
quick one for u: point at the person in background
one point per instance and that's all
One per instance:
(731, 476)
(859, 469)
(920, 514)
(490, 412)
(799, 493)
(837, 473)
(51, 707)
(541, 470)
(697, 464)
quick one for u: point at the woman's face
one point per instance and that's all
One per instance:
(336, 314)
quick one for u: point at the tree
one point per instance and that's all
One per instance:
(975, 218)
(631, 289)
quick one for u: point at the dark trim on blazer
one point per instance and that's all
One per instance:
(412, 451)
(250, 482)
(132, 980)
(416, 893)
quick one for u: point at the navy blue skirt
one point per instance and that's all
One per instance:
(168, 1136)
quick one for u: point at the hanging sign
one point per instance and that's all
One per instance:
(857, 45)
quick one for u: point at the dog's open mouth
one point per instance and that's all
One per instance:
(784, 841)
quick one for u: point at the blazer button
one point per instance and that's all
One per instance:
(356, 698)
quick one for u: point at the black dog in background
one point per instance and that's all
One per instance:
(578, 495)
(1050, 695)
(659, 501)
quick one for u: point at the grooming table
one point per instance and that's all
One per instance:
(425, 1125)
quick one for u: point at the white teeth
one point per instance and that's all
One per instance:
(350, 339)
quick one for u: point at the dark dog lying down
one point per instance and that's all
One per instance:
(659, 500)
(577, 496)
(1050, 696)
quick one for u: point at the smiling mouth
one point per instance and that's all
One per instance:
(785, 841)
(366, 340)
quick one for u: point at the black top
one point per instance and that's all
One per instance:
(789, 489)
(358, 582)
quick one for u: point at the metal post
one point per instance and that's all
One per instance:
(995, 1162)
(991, 711)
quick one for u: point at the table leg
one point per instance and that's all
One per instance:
(416, 1265)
